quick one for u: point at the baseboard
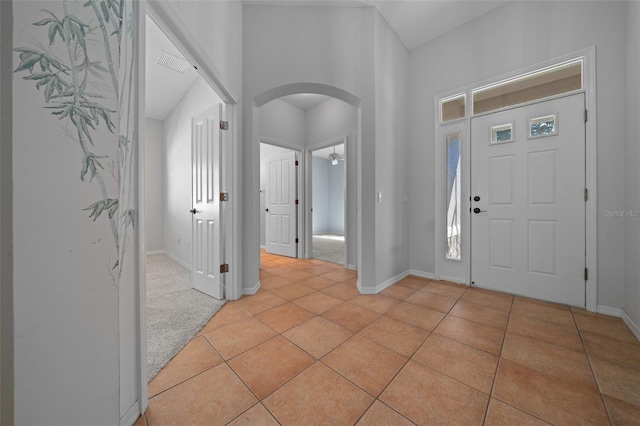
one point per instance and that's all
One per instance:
(251, 290)
(131, 416)
(180, 261)
(262, 246)
(380, 287)
(635, 329)
(453, 280)
(422, 274)
(352, 267)
(152, 252)
(608, 310)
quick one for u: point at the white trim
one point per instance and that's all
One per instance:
(422, 274)
(591, 209)
(152, 252)
(635, 329)
(177, 259)
(608, 310)
(384, 285)
(131, 415)
(352, 267)
(250, 291)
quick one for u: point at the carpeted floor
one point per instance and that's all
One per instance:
(175, 311)
(330, 248)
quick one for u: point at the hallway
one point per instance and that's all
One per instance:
(309, 349)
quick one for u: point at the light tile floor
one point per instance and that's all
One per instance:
(309, 349)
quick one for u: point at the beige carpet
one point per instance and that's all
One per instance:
(330, 248)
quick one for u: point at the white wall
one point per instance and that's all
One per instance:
(6, 196)
(177, 143)
(391, 156)
(330, 120)
(335, 195)
(332, 46)
(517, 35)
(320, 197)
(65, 299)
(154, 162)
(283, 122)
(632, 163)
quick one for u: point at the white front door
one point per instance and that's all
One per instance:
(281, 204)
(206, 247)
(528, 200)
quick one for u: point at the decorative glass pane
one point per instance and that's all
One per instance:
(502, 133)
(551, 81)
(543, 126)
(452, 108)
(453, 196)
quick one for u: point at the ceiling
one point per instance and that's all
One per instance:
(324, 152)
(304, 100)
(415, 21)
(164, 87)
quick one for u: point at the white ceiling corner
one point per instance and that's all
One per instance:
(305, 101)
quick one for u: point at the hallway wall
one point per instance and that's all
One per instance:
(154, 168)
(517, 35)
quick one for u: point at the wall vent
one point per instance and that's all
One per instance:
(173, 62)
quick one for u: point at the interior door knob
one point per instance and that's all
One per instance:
(193, 211)
(476, 198)
(266, 210)
(477, 210)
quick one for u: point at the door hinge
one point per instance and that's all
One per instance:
(224, 268)
(586, 194)
(297, 163)
(224, 125)
(297, 202)
(586, 115)
(586, 274)
(224, 196)
(297, 241)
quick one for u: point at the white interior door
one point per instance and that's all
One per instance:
(281, 204)
(206, 242)
(528, 200)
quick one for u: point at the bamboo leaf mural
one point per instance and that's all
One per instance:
(81, 75)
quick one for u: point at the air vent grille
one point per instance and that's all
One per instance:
(173, 62)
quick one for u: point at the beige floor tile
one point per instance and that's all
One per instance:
(381, 415)
(318, 282)
(375, 302)
(466, 364)
(396, 335)
(273, 281)
(398, 292)
(416, 315)
(238, 337)
(426, 396)
(443, 288)
(298, 275)
(546, 397)
(256, 415)
(351, 316)
(559, 335)
(621, 412)
(142, 421)
(259, 302)
(340, 275)
(318, 336)
(318, 396)
(431, 300)
(501, 414)
(488, 298)
(214, 397)
(478, 313)
(344, 291)
(283, 317)
(270, 365)
(480, 336)
(292, 291)
(563, 363)
(196, 357)
(604, 325)
(413, 282)
(318, 302)
(614, 350)
(367, 364)
(619, 381)
(550, 312)
(228, 314)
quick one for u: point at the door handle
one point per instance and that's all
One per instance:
(194, 211)
(266, 210)
(477, 210)
(476, 198)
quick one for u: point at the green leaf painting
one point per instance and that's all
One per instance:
(80, 69)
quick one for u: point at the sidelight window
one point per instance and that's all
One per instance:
(453, 196)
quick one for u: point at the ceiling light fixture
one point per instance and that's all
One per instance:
(334, 157)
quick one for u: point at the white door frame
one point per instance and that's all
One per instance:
(349, 162)
(460, 270)
(299, 189)
(165, 16)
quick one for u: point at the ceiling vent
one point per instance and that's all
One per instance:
(173, 62)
